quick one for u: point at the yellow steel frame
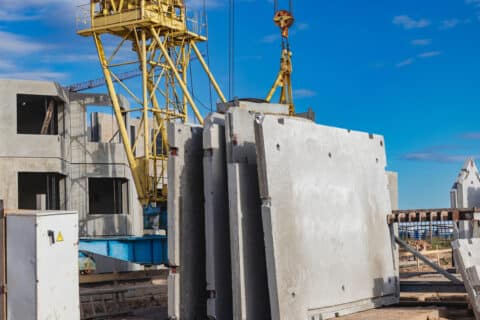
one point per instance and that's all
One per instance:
(284, 81)
(156, 30)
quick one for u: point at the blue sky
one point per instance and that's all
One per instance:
(406, 69)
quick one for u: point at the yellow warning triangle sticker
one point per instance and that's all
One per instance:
(59, 237)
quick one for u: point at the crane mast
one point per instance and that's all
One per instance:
(162, 40)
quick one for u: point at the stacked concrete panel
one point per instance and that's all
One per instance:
(287, 221)
(324, 202)
(249, 273)
(218, 266)
(467, 260)
(186, 224)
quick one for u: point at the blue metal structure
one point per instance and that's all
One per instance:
(146, 250)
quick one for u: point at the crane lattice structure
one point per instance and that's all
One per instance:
(162, 40)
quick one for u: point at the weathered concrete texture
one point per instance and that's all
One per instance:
(249, 273)
(393, 189)
(465, 192)
(466, 253)
(263, 107)
(217, 230)
(68, 153)
(325, 200)
(186, 222)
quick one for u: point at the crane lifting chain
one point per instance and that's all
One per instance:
(284, 20)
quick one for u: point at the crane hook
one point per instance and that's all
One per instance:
(284, 20)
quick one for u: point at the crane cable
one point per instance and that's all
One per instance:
(205, 17)
(275, 6)
(231, 50)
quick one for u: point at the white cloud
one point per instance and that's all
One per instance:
(302, 26)
(271, 38)
(429, 54)
(15, 4)
(421, 42)
(199, 4)
(405, 63)
(409, 23)
(475, 3)
(12, 16)
(303, 93)
(35, 75)
(12, 43)
(450, 23)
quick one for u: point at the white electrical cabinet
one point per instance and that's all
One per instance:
(42, 266)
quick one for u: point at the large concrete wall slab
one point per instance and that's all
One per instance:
(217, 229)
(186, 223)
(466, 253)
(324, 205)
(249, 272)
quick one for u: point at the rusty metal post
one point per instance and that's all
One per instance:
(3, 263)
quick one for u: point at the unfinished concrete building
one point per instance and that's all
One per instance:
(465, 192)
(54, 143)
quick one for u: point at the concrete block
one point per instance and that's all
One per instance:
(325, 200)
(467, 260)
(186, 221)
(217, 230)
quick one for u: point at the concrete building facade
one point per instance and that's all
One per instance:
(465, 192)
(51, 144)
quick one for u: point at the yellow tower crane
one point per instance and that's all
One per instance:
(284, 20)
(162, 39)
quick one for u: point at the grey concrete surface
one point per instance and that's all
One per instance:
(263, 107)
(465, 192)
(186, 222)
(249, 273)
(466, 253)
(325, 199)
(217, 229)
(393, 189)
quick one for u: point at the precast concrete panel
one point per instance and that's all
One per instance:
(217, 230)
(249, 271)
(186, 222)
(325, 200)
(467, 260)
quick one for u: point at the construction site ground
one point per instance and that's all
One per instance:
(140, 296)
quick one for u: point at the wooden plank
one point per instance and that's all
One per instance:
(395, 314)
(48, 117)
(123, 276)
